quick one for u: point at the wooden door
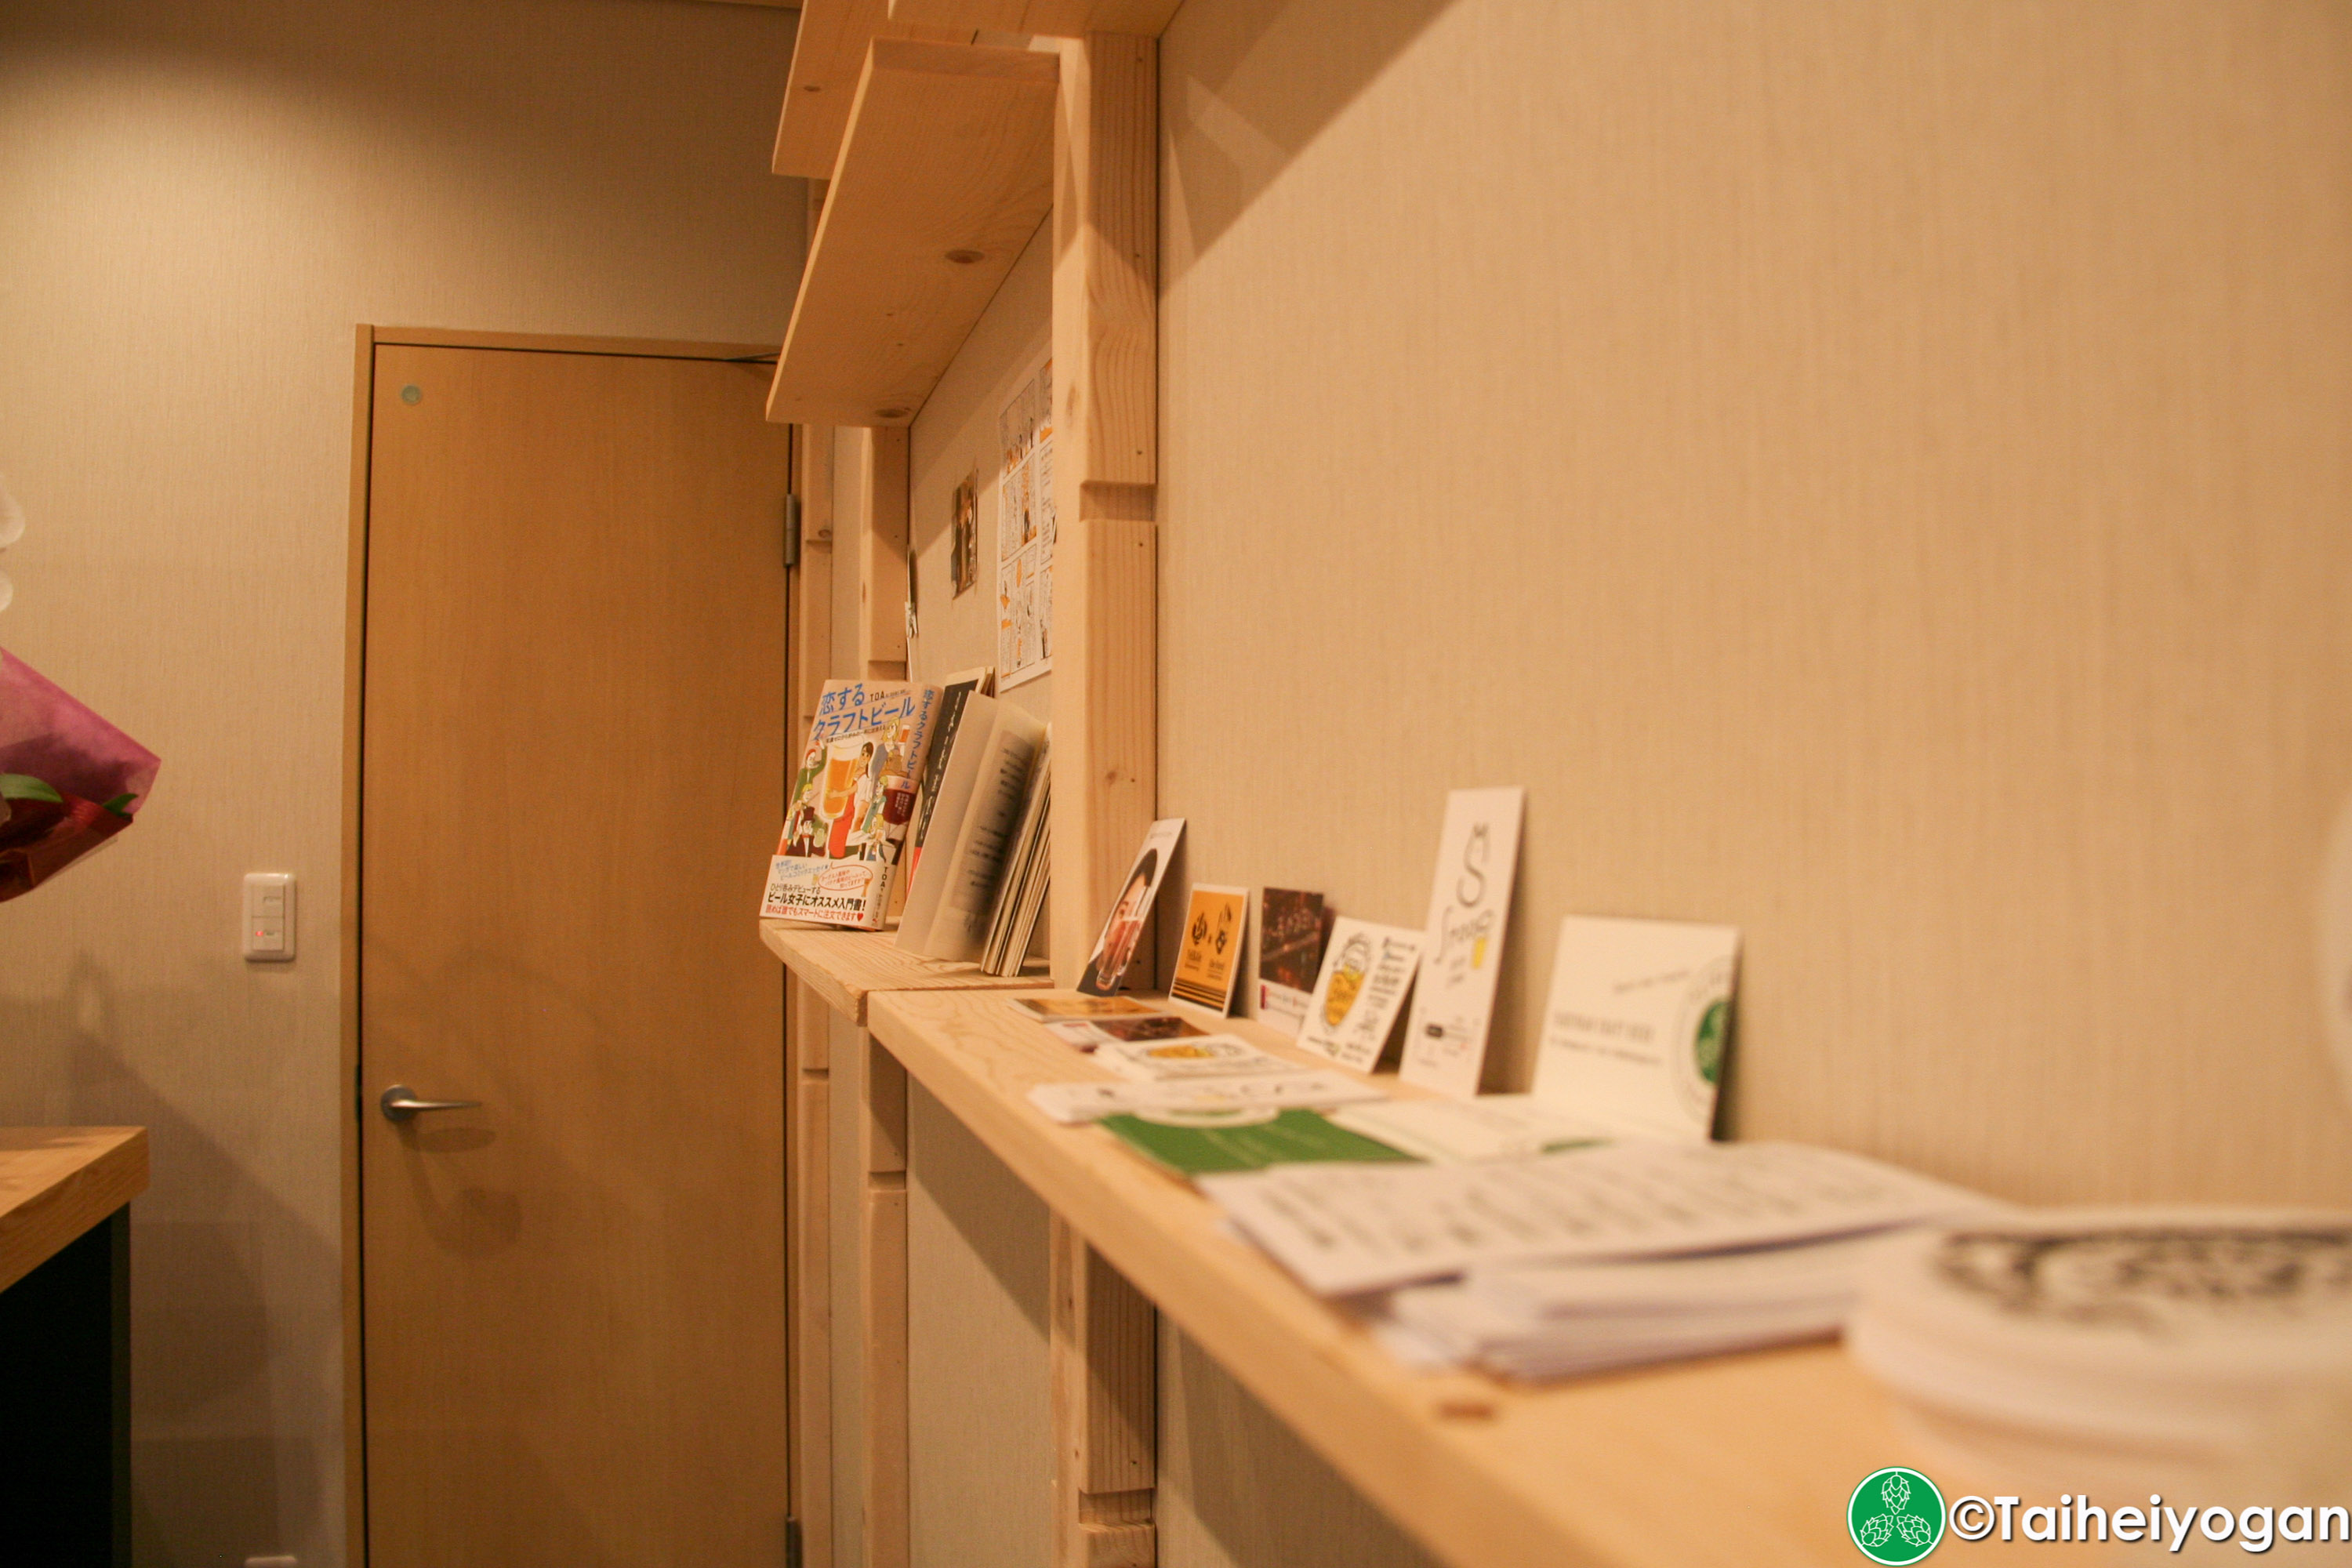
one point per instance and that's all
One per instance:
(573, 771)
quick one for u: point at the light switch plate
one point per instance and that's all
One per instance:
(268, 917)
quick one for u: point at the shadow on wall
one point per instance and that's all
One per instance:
(1321, 52)
(215, 1473)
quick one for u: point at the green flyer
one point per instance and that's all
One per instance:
(1248, 1141)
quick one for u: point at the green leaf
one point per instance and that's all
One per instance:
(25, 786)
(120, 803)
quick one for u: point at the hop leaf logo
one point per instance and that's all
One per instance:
(1896, 1515)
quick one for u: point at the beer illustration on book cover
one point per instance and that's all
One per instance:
(852, 799)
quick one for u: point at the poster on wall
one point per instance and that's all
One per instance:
(1024, 532)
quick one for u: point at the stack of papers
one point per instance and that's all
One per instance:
(1198, 1101)
(1345, 1229)
(1557, 1320)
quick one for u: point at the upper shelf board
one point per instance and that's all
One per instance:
(946, 171)
(828, 54)
(1051, 18)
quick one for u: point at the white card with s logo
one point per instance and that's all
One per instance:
(1469, 908)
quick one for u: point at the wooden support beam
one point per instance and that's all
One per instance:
(808, 1040)
(882, 1301)
(1104, 1356)
(1106, 463)
(882, 554)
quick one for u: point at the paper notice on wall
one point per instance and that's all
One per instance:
(1026, 528)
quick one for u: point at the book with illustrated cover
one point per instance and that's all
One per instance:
(845, 824)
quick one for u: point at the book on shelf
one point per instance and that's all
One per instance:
(852, 799)
(983, 787)
(1021, 898)
(955, 692)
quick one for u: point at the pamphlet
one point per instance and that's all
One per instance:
(1044, 1009)
(1367, 971)
(1209, 1100)
(1209, 959)
(1469, 907)
(1197, 1056)
(1291, 929)
(1087, 1033)
(1636, 1029)
(1123, 930)
(1245, 1140)
(1369, 1230)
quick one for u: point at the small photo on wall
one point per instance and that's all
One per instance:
(963, 539)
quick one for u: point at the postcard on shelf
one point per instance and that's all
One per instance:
(1045, 1009)
(1635, 1028)
(1195, 1143)
(1469, 906)
(1292, 927)
(1087, 1033)
(1115, 949)
(852, 800)
(1209, 959)
(1191, 1056)
(1483, 1127)
(1367, 971)
(1211, 1101)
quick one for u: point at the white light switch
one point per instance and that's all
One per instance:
(268, 917)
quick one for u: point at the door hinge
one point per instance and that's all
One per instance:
(791, 1543)
(791, 531)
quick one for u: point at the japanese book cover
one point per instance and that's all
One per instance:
(846, 824)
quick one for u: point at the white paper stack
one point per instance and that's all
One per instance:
(2109, 1348)
(1557, 1320)
(1343, 1229)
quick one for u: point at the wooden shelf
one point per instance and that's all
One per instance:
(945, 172)
(846, 967)
(1484, 1473)
(828, 54)
(55, 1183)
(1053, 18)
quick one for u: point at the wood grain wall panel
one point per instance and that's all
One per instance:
(1875, 473)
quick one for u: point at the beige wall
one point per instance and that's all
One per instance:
(1875, 471)
(197, 203)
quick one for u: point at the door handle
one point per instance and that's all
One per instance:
(399, 1103)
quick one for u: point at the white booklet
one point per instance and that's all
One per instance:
(1635, 1027)
(1342, 1229)
(1367, 971)
(1469, 906)
(1203, 1098)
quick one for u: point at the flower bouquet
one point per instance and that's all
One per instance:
(70, 781)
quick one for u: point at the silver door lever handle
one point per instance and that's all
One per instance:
(399, 1103)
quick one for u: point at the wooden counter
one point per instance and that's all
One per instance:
(1742, 1458)
(57, 1183)
(846, 967)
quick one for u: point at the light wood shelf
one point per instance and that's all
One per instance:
(1053, 18)
(945, 171)
(1745, 1459)
(828, 54)
(57, 1183)
(846, 967)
